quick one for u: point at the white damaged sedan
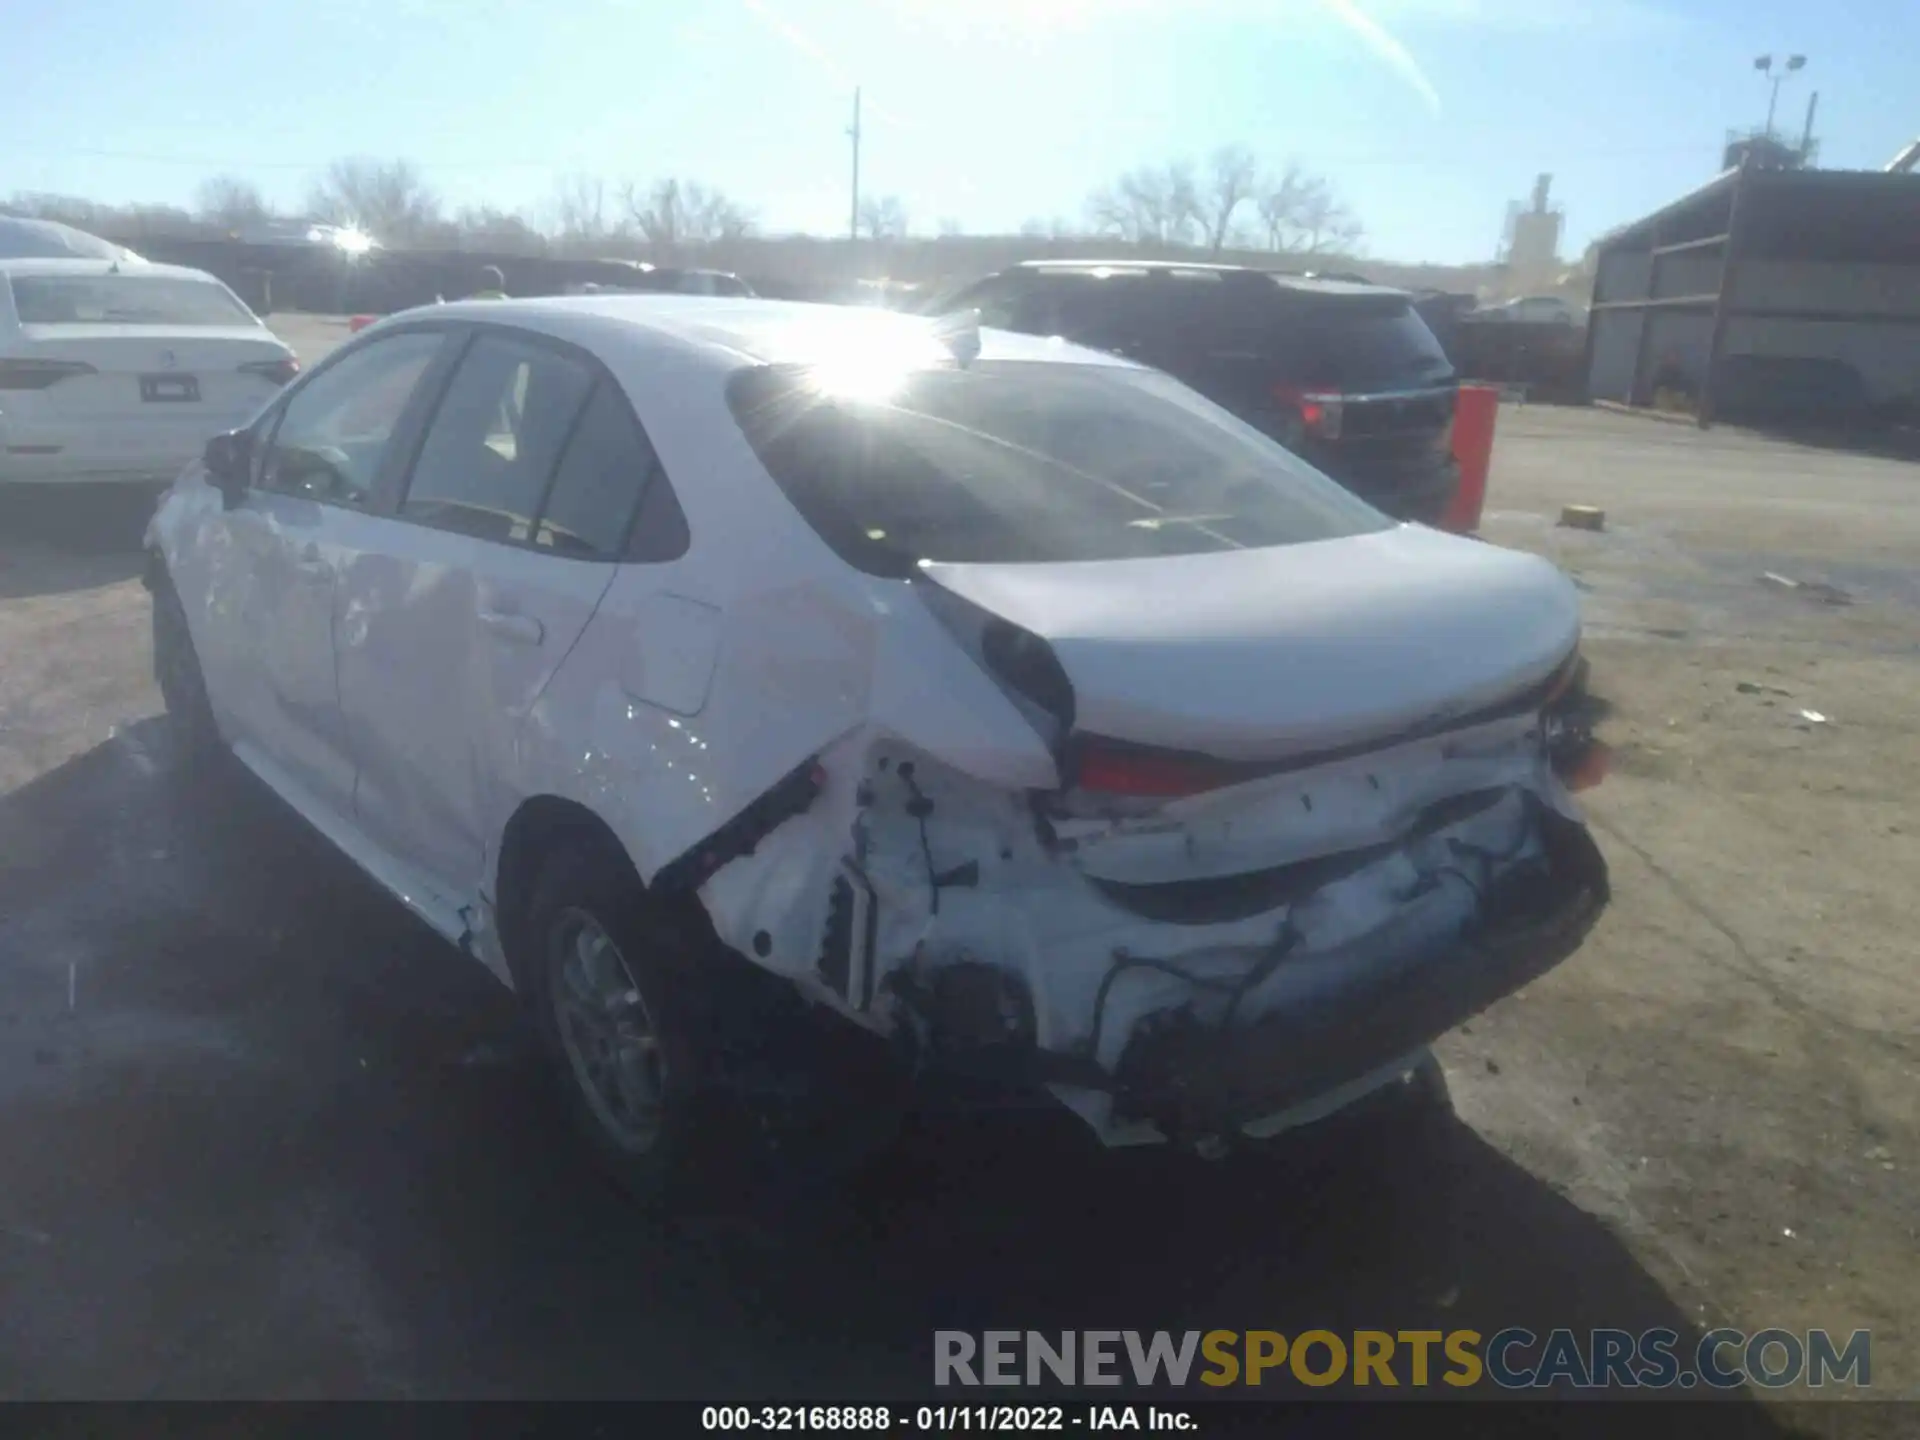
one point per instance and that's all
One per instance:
(710, 668)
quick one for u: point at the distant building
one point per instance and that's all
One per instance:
(1770, 294)
(1532, 244)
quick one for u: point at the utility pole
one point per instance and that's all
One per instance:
(853, 212)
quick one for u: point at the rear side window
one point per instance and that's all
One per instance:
(1359, 345)
(1036, 462)
(530, 447)
(125, 300)
(607, 469)
(334, 430)
(495, 440)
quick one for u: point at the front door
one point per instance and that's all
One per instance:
(271, 564)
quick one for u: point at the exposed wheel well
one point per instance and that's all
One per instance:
(536, 827)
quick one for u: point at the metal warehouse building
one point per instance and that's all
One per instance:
(1767, 294)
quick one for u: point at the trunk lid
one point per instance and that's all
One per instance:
(1262, 654)
(122, 354)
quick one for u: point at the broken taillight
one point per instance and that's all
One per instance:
(1568, 714)
(1589, 769)
(1105, 768)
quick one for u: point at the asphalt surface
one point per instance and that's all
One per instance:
(265, 1136)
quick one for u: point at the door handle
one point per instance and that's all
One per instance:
(520, 629)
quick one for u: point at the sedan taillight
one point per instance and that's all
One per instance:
(25, 374)
(278, 371)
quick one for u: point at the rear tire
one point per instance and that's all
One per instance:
(617, 1010)
(176, 666)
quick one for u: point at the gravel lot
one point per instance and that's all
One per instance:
(265, 1136)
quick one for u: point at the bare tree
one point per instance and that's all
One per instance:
(580, 216)
(1302, 215)
(484, 227)
(387, 198)
(67, 209)
(230, 202)
(110, 221)
(1232, 178)
(1325, 225)
(883, 217)
(1151, 205)
(1278, 203)
(948, 228)
(673, 214)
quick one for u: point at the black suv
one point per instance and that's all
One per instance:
(1345, 374)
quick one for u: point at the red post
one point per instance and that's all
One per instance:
(1473, 418)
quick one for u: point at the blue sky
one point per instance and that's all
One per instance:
(1429, 115)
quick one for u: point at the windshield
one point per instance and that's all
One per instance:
(1032, 462)
(124, 300)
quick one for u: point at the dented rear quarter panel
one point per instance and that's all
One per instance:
(699, 683)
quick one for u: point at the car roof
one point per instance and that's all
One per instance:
(47, 265)
(732, 333)
(22, 238)
(1306, 284)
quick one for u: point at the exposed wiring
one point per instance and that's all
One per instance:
(920, 807)
(1289, 936)
(1124, 963)
(1262, 968)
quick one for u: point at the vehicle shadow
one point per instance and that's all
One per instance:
(270, 1138)
(54, 540)
(1882, 442)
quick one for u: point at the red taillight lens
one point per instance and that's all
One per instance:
(23, 374)
(278, 371)
(1588, 768)
(1319, 407)
(1118, 770)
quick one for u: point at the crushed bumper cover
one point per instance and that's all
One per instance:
(1190, 1077)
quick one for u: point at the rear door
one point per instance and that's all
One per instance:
(508, 529)
(264, 574)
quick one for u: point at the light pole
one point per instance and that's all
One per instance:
(853, 134)
(1764, 64)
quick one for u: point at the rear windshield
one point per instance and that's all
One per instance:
(1010, 462)
(1355, 345)
(124, 300)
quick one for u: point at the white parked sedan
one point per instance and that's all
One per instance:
(701, 665)
(122, 371)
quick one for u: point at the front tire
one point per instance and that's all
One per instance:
(616, 1007)
(183, 686)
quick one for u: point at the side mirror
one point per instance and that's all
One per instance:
(226, 459)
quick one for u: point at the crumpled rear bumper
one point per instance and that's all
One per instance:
(1193, 1078)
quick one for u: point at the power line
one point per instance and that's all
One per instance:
(551, 163)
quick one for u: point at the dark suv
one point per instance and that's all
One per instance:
(1347, 375)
